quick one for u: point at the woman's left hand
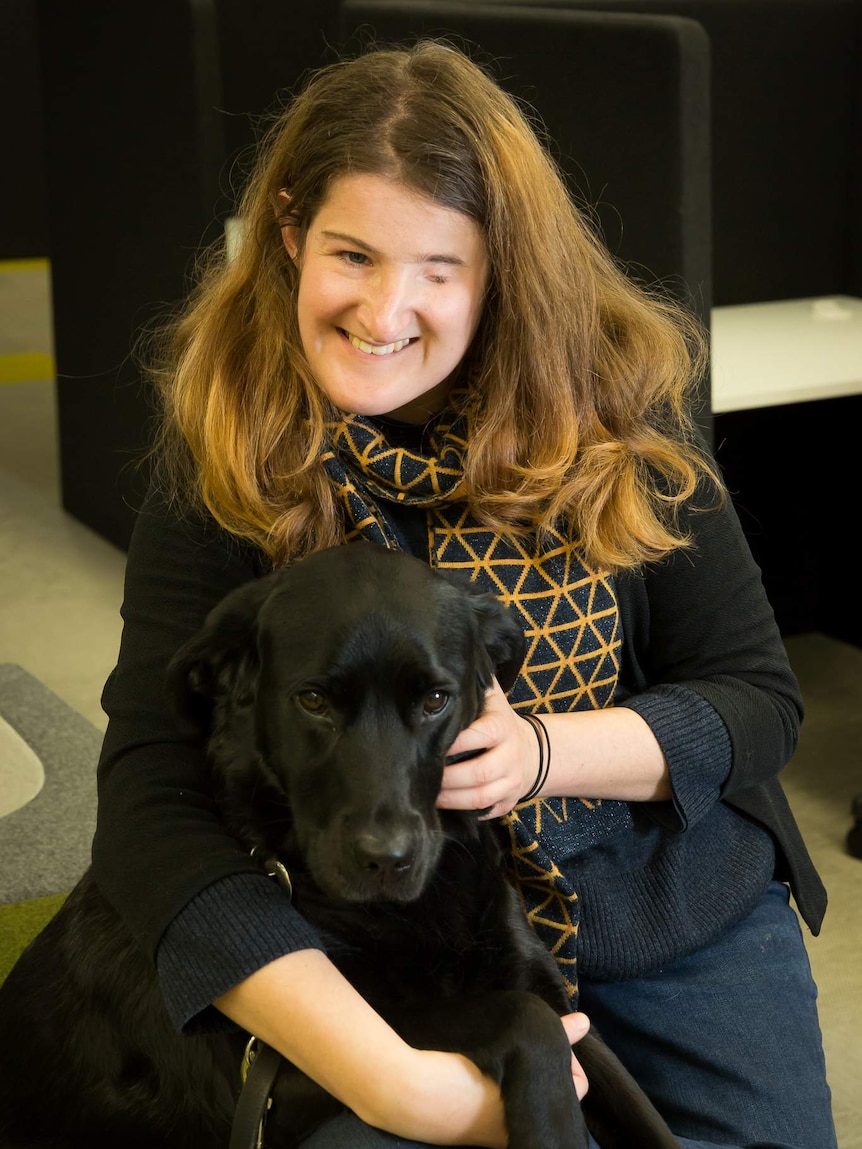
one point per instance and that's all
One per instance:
(496, 779)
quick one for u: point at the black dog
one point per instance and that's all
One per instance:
(329, 694)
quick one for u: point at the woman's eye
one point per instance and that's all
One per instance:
(354, 258)
(435, 702)
(312, 701)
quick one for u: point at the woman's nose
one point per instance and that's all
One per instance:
(386, 309)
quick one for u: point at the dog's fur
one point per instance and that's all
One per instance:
(329, 694)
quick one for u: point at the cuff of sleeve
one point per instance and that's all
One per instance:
(227, 932)
(695, 743)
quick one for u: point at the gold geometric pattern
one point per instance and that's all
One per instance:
(548, 899)
(396, 473)
(568, 613)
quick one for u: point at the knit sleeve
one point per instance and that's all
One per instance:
(695, 744)
(705, 665)
(227, 932)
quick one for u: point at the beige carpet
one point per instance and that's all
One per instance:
(821, 782)
(22, 775)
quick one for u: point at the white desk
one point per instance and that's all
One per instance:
(793, 351)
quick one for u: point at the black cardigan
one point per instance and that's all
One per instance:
(696, 622)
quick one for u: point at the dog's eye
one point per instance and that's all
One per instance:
(312, 701)
(435, 702)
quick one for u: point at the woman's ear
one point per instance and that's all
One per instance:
(287, 223)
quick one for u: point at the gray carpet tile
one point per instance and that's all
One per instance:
(45, 845)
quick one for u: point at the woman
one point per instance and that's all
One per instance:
(420, 342)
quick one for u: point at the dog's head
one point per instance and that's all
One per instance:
(336, 687)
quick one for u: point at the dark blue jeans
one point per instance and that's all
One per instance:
(726, 1042)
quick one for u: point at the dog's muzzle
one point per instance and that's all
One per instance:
(385, 860)
(370, 863)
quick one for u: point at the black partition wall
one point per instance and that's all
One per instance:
(133, 156)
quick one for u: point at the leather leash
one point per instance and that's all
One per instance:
(260, 1063)
(260, 1066)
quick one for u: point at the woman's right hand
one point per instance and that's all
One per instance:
(452, 1103)
(301, 1005)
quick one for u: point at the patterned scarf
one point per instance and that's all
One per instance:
(568, 613)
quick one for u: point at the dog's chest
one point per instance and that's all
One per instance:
(457, 937)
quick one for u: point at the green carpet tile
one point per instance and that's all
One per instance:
(19, 924)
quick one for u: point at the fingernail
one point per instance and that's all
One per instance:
(463, 756)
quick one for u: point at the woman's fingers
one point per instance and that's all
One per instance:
(501, 766)
(577, 1025)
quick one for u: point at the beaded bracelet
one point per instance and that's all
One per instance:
(544, 756)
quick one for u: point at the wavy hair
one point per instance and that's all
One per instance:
(584, 378)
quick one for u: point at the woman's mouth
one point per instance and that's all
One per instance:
(375, 348)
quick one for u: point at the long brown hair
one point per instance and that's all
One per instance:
(584, 377)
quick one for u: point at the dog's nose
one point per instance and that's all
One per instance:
(384, 858)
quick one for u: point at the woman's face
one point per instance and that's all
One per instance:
(390, 295)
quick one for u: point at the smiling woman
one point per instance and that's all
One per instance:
(391, 291)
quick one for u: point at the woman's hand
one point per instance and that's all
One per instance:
(610, 753)
(496, 779)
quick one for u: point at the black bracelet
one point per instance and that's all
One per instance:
(544, 756)
(547, 768)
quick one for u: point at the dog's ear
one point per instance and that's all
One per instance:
(503, 638)
(219, 661)
(499, 632)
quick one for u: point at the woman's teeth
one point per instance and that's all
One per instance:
(369, 349)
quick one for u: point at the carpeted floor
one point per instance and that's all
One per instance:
(821, 781)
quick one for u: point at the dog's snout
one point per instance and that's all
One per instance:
(384, 858)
